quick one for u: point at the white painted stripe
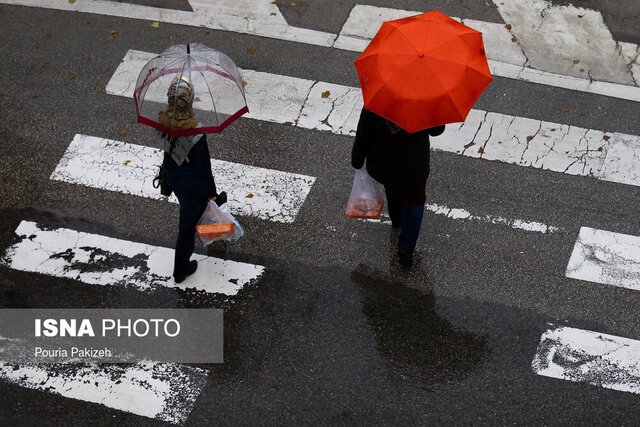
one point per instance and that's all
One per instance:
(251, 17)
(506, 57)
(129, 168)
(233, 15)
(464, 215)
(590, 357)
(101, 260)
(604, 257)
(491, 136)
(165, 392)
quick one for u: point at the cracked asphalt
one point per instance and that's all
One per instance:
(334, 332)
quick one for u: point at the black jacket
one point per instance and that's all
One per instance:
(193, 179)
(394, 157)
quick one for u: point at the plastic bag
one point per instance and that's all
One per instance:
(366, 201)
(217, 223)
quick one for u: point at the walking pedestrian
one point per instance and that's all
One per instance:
(187, 166)
(399, 161)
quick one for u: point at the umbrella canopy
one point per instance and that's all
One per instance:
(188, 90)
(423, 71)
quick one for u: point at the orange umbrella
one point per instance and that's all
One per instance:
(423, 71)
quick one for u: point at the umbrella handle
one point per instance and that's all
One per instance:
(188, 49)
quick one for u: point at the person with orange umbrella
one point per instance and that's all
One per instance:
(417, 74)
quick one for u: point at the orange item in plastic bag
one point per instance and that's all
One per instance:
(364, 210)
(220, 231)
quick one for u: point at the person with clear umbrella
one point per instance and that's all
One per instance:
(187, 166)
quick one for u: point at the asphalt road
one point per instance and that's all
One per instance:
(334, 332)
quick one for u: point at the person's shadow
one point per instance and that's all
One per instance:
(418, 345)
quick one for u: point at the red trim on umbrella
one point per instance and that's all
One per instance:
(192, 131)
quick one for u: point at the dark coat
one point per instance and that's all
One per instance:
(394, 157)
(193, 179)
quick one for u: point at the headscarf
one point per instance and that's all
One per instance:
(179, 111)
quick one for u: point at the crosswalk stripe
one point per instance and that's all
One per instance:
(464, 215)
(584, 356)
(605, 257)
(128, 168)
(506, 58)
(162, 391)
(101, 260)
(228, 17)
(491, 136)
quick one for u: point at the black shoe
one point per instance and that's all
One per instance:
(193, 266)
(405, 258)
(395, 224)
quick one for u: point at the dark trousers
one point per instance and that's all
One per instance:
(406, 212)
(190, 212)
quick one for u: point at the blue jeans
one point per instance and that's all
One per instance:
(406, 215)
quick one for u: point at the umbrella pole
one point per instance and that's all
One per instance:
(188, 49)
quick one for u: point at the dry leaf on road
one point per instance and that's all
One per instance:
(126, 162)
(155, 25)
(326, 94)
(249, 196)
(122, 132)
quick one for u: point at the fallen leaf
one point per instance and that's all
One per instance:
(36, 45)
(98, 82)
(251, 50)
(499, 142)
(580, 16)
(2, 94)
(600, 149)
(113, 34)
(576, 61)
(606, 137)
(45, 64)
(122, 132)
(249, 196)
(553, 130)
(514, 39)
(469, 144)
(638, 194)
(72, 1)
(288, 123)
(126, 162)
(582, 70)
(481, 150)
(72, 75)
(244, 83)
(564, 110)
(325, 94)
(197, 99)
(89, 60)
(273, 14)
(508, 26)
(155, 24)
(294, 4)
(529, 138)
(72, 114)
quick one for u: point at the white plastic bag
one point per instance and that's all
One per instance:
(215, 214)
(365, 201)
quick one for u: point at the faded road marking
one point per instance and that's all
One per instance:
(604, 257)
(101, 260)
(589, 357)
(128, 168)
(609, 156)
(162, 391)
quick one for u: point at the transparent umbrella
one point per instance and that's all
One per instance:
(190, 89)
